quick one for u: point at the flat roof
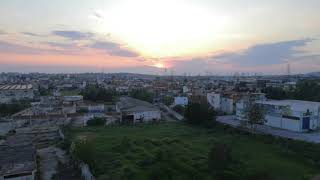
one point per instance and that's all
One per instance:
(294, 104)
(135, 105)
(17, 159)
(15, 86)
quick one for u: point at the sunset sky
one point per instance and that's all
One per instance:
(149, 36)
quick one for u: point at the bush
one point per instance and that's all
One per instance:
(82, 149)
(199, 113)
(96, 122)
(95, 93)
(142, 94)
(179, 109)
(219, 158)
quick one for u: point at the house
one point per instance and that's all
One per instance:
(11, 92)
(214, 99)
(73, 99)
(134, 110)
(96, 108)
(17, 162)
(293, 115)
(183, 101)
(227, 105)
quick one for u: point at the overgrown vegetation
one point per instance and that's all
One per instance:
(98, 94)
(168, 100)
(179, 109)
(199, 113)
(96, 122)
(255, 114)
(142, 94)
(180, 151)
(308, 90)
(12, 108)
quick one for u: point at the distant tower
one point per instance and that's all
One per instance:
(288, 69)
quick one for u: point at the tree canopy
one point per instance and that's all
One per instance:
(98, 94)
(199, 113)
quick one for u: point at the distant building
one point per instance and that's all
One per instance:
(73, 99)
(9, 93)
(134, 110)
(122, 89)
(185, 89)
(183, 101)
(214, 99)
(96, 108)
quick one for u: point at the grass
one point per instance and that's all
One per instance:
(180, 151)
(70, 92)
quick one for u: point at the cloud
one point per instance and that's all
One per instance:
(32, 34)
(12, 48)
(6, 47)
(97, 14)
(265, 54)
(73, 35)
(62, 45)
(114, 49)
(2, 32)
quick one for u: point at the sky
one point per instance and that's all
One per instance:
(160, 36)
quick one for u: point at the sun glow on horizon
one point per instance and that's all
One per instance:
(165, 28)
(159, 65)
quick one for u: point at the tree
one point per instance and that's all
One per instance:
(168, 100)
(82, 149)
(199, 113)
(96, 122)
(179, 109)
(96, 93)
(255, 114)
(142, 94)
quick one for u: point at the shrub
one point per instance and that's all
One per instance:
(96, 122)
(82, 149)
(219, 158)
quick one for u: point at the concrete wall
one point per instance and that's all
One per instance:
(147, 115)
(227, 105)
(181, 101)
(283, 123)
(85, 172)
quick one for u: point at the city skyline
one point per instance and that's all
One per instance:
(148, 37)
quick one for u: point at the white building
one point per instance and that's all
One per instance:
(73, 99)
(214, 99)
(292, 115)
(185, 89)
(134, 110)
(227, 105)
(96, 108)
(9, 93)
(183, 101)
(122, 89)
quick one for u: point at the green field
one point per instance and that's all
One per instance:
(179, 151)
(70, 92)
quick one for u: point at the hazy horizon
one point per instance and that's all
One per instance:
(160, 37)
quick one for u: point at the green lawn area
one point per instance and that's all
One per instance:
(179, 151)
(70, 92)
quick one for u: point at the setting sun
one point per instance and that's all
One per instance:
(159, 65)
(156, 29)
